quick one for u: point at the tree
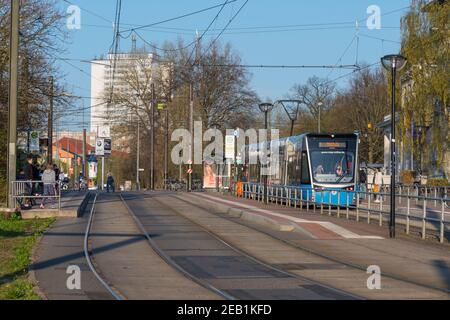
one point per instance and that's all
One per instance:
(221, 94)
(42, 36)
(426, 44)
(317, 95)
(364, 103)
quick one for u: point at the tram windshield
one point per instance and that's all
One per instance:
(333, 166)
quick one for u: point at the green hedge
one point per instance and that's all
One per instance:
(441, 182)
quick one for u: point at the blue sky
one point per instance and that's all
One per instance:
(324, 30)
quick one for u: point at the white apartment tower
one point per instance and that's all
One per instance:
(108, 72)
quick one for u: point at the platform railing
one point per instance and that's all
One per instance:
(22, 191)
(424, 212)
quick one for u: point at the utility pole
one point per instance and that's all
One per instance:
(152, 138)
(320, 115)
(191, 129)
(50, 122)
(138, 179)
(84, 155)
(13, 86)
(166, 151)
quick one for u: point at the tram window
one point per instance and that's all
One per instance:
(305, 178)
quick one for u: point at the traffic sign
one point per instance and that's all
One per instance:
(108, 146)
(190, 171)
(229, 147)
(104, 132)
(34, 141)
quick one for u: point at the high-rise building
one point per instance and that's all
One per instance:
(107, 74)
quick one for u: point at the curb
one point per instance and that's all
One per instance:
(247, 216)
(31, 272)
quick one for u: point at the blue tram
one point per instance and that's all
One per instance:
(324, 167)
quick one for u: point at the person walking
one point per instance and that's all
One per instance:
(378, 185)
(49, 181)
(110, 183)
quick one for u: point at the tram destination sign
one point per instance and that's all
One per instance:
(333, 145)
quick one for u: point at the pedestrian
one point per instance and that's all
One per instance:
(57, 172)
(28, 175)
(49, 181)
(363, 183)
(378, 185)
(110, 183)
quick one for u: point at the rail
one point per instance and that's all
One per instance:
(424, 212)
(21, 191)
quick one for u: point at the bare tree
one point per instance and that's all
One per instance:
(317, 95)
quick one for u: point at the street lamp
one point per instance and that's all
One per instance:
(393, 63)
(292, 114)
(320, 104)
(266, 108)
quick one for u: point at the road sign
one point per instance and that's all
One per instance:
(107, 146)
(161, 106)
(229, 147)
(190, 171)
(104, 132)
(34, 141)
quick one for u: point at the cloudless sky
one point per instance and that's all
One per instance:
(315, 44)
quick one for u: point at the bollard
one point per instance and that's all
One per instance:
(339, 205)
(329, 204)
(435, 197)
(442, 228)
(408, 206)
(357, 206)
(381, 212)
(424, 218)
(295, 201)
(348, 206)
(307, 200)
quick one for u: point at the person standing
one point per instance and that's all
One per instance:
(363, 183)
(110, 183)
(378, 185)
(49, 181)
(28, 175)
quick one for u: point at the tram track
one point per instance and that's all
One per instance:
(308, 283)
(88, 253)
(309, 250)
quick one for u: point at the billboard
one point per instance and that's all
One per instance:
(209, 176)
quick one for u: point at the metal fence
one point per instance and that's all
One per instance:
(22, 191)
(414, 210)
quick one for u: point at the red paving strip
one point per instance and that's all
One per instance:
(320, 232)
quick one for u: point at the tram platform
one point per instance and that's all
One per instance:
(73, 204)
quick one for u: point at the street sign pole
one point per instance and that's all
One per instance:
(103, 173)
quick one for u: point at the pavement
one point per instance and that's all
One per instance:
(60, 247)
